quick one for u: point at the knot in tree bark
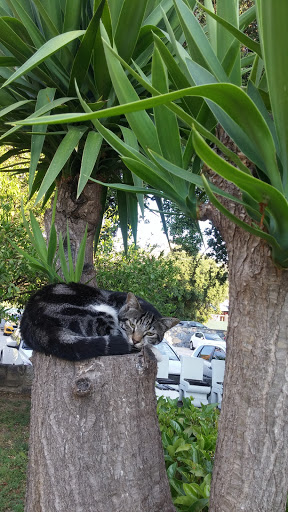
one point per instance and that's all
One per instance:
(83, 387)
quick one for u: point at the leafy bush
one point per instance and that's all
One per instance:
(189, 287)
(189, 439)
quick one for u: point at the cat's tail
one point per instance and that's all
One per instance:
(78, 347)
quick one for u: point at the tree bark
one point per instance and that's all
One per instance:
(86, 210)
(95, 443)
(251, 464)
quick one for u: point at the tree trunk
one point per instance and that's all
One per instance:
(95, 444)
(86, 210)
(251, 464)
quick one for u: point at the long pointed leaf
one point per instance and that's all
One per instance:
(245, 40)
(39, 241)
(84, 53)
(163, 220)
(11, 40)
(123, 217)
(80, 257)
(189, 177)
(52, 245)
(165, 120)
(90, 154)
(37, 265)
(44, 96)
(62, 258)
(276, 249)
(10, 108)
(45, 51)
(131, 188)
(140, 122)
(199, 46)
(60, 158)
(131, 140)
(272, 19)
(69, 255)
(48, 18)
(157, 179)
(22, 11)
(131, 16)
(260, 191)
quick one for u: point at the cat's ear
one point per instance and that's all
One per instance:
(132, 301)
(168, 322)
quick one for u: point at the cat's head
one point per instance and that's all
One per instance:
(141, 325)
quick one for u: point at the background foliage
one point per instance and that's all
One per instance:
(16, 276)
(178, 284)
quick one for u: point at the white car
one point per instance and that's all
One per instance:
(200, 337)
(174, 360)
(15, 351)
(208, 352)
(169, 387)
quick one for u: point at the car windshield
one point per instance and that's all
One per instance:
(166, 350)
(212, 336)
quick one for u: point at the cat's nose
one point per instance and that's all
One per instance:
(136, 338)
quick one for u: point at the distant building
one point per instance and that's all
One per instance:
(220, 320)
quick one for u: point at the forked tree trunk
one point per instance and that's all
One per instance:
(95, 444)
(251, 464)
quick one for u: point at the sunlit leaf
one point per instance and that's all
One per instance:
(90, 154)
(64, 150)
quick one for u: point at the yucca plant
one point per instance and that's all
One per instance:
(248, 204)
(165, 138)
(54, 261)
(54, 46)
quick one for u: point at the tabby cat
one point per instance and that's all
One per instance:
(76, 321)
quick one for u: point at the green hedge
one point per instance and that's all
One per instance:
(189, 439)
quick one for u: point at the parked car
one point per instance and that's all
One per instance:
(9, 328)
(200, 337)
(209, 352)
(191, 323)
(15, 351)
(169, 387)
(174, 360)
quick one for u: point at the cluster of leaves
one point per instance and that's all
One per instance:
(189, 438)
(16, 274)
(53, 48)
(182, 230)
(146, 275)
(53, 260)
(203, 285)
(216, 246)
(177, 284)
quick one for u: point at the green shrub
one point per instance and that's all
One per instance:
(189, 439)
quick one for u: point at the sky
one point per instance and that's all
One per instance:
(150, 232)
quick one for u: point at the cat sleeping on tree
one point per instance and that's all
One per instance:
(75, 321)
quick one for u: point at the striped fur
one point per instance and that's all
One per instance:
(75, 321)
